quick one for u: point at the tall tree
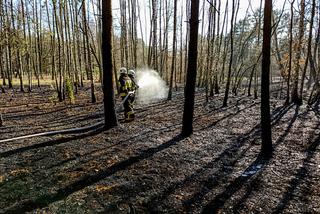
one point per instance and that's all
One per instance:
(296, 97)
(290, 54)
(173, 49)
(110, 116)
(187, 125)
(226, 95)
(266, 146)
(313, 8)
(89, 65)
(154, 55)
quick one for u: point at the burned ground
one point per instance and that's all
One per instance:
(146, 166)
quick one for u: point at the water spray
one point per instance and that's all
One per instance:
(152, 88)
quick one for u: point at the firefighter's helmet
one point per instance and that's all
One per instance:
(131, 72)
(123, 70)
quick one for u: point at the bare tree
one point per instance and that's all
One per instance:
(295, 96)
(313, 9)
(174, 45)
(108, 85)
(226, 95)
(266, 146)
(290, 54)
(187, 124)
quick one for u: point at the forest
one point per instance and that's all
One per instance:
(159, 106)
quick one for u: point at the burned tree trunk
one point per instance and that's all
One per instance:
(266, 146)
(187, 127)
(110, 116)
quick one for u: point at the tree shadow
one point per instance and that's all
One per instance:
(78, 159)
(253, 185)
(231, 115)
(234, 152)
(218, 202)
(276, 114)
(286, 132)
(299, 176)
(222, 109)
(89, 180)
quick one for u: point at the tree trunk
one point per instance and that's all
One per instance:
(296, 97)
(89, 63)
(226, 95)
(187, 124)
(110, 116)
(309, 48)
(266, 146)
(154, 57)
(290, 55)
(173, 49)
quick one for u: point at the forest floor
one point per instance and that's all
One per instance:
(146, 166)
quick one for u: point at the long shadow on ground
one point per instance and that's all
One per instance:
(234, 151)
(300, 175)
(218, 202)
(88, 180)
(255, 182)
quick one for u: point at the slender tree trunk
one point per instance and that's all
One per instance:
(166, 41)
(124, 34)
(312, 58)
(181, 45)
(141, 31)
(9, 66)
(309, 48)
(187, 124)
(18, 59)
(295, 96)
(39, 47)
(209, 55)
(110, 116)
(173, 49)
(290, 55)
(154, 57)
(89, 63)
(134, 33)
(226, 95)
(278, 54)
(266, 146)
(58, 36)
(200, 59)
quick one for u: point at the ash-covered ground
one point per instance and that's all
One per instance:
(146, 166)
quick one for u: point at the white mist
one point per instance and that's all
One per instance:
(152, 87)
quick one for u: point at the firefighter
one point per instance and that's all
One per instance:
(132, 76)
(135, 86)
(126, 86)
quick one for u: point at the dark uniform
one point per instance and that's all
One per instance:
(126, 86)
